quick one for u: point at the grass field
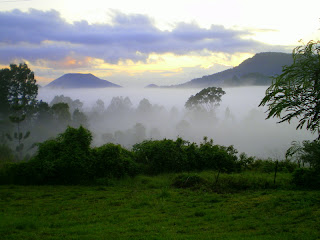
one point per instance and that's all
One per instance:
(151, 208)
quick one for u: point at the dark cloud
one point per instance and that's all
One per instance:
(35, 35)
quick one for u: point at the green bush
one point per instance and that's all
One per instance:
(23, 173)
(112, 161)
(311, 153)
(216, 157)
(65, 160)
(306, 178)
(162, 156)
(165, 156)
(68, 159)
(287, 166)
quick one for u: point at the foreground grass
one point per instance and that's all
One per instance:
(150, 208)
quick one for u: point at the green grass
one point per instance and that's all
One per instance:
(150, 208)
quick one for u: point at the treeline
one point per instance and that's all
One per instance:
(69, 159)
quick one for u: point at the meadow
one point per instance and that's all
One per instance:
(156, 207)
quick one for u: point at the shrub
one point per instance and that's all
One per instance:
(306, 178)
(22, 173)
(63, 160)
(287, 166)
(245, 162)
(216, 157)
(162, 156)
(311, 153)
(68, 159)
(111, 161)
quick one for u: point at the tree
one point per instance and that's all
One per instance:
(295, 93)
(18, 97)
(4, 91)
(207, 99)
(73, 104)
(144, 106)
(99, 106)
(79, 119)
(119, 105)
(61, 115)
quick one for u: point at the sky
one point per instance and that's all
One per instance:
(141, 42)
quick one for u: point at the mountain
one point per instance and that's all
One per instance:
(79, 80)
(253, 71)
(151, 86)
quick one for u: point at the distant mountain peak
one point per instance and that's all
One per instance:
(256, 70)
(152, 86)
(80, 80)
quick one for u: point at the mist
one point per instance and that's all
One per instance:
(127, 116)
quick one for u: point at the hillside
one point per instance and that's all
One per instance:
(151, 86)
(79, 80)
(253, 71)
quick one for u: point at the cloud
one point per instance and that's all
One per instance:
(45, 35)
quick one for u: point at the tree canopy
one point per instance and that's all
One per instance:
(22, 88)
(207, 99)
(295, 93)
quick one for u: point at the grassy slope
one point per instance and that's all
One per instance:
(149, 208)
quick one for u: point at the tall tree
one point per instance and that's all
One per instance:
(61, 116)
(296, 92)
(4, 91)
(18, 97)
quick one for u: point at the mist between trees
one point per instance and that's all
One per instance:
(127, 117)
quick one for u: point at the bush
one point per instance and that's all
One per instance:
(287, 166)
(216, 157)
(23, 173)
(165, 156)
(162, 156)
(112, 161)
(68, 159)
(306, 178)
(311, 153)
(65, 160)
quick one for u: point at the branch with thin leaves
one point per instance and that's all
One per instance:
(295, 93)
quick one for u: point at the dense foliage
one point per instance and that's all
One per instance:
(70, 159)
(307, 155)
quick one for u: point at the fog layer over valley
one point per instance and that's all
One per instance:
(128, 116)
